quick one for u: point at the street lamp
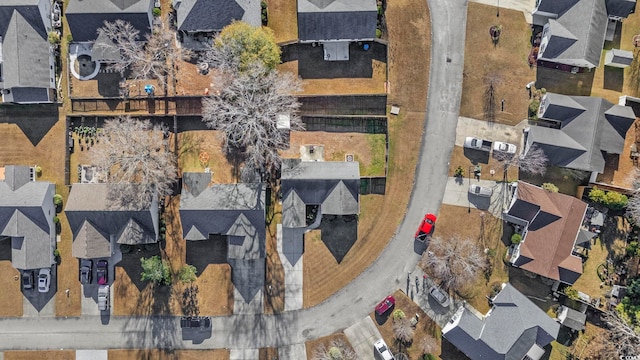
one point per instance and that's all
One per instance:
(498, 11)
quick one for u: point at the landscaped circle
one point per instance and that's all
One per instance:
(85, 66)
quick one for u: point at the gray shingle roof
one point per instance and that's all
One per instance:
(91, 242)
(85, 17)
(207, 15)
(26, 215)
(577, 36)
(571, 318)
(621, 8)
(337, 20)
(508, 331)
(588, 126)
(235, 210)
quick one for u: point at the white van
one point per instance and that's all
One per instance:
(382, 350)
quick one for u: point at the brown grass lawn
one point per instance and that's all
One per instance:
(589, 283)
(458, 158)
(506, 61)
(368, 149)
(585, 346)
(486, 231)
(313, 346)
(373, 85)
(283, 19)
(192, 143)
(274, 273)
(620, 172)
(10, 297)
(45, 354)
(409, 38)
(153, 354)
(425, 327)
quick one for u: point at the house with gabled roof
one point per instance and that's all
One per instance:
(551, 226)
(27, 63)
(26, 217)
(513, 329)
(575, 30)
(235, 211)
(197, 20)
(98, 222)
(311, 190)
(581, 131)
(85, 17)
(336, 23)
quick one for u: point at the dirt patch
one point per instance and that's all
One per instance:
(218, 354)
(47, 354)
(424, 328)
(505, 61)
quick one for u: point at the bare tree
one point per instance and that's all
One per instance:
(534, 162)
(623, 337)
(492, 80)
(136, 155)
(246, 109)
(337, 350)
(403, 331)
(456, 262)
(428, 345)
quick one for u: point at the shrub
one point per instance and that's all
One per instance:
(38, 170)
(632, 248)
(429, 357)
(378, 33)
(156, 12)
(54, 38)
(615, 200)
(187, 274)
(56, 220)
(56, 253)
(550, 187)
(571, 293)
(264, 16)
(597, 195)
(459, 171)
(398, 314)
(516, 238)
(534, 105)
(57, 199)
(156, 270)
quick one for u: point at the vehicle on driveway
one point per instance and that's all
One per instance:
(86, 268)
(27, 279)
(382, 350)
(202, 322)
(386, 304)
(102, 272)
(440, 296)
(44, 280)
(477, 144)
(426, 227)
(103, 297)
(505, 148)
(478, 190)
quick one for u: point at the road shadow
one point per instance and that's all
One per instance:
(35, 120)
(613, 78)
(339, 233)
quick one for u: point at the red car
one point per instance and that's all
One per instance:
(426, 227)
(385, 305)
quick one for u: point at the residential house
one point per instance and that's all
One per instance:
(27, 59)
(85, 17)
(550, 224)
(575, 30)
(336, 23)
(236, 211)
(513, 329)
(99, 222)
(311, 190)
(198, 20)
(26, 217)
(581, 132)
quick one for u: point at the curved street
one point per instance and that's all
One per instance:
(350, 304)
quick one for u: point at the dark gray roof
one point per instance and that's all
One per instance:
(620, 8)
(26, 215)
(25, 54)
(618, 58)
(571, 318)
(589, 126)
(524, 210)
(508, 331)
(207, 15)
(576, 37)
(337, 20)
(28, 10)
(85, 17)
(235, 210)
(130, 224)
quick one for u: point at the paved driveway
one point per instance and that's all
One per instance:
(489, 131)
(457, 193)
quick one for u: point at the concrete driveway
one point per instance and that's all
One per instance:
(490, 131)
(457, 193)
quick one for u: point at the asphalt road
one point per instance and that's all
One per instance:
(387, 274)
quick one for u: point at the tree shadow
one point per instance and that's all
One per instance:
(35, 120)
(189, 301)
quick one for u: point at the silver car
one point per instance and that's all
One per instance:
(440, 296)
(480, 190)
(44, 280)
(382, 350)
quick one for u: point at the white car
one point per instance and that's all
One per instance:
(382, 350)
(44, 280)
(103, 297)
(504, 147)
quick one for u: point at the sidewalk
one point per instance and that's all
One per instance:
(526, 6)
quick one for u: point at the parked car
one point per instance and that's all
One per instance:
(44, 280)
(382, 350)
(478, 190)
(56, 12)
(27, 279)
(386, 304)
(426, 227)
(102, 272)
(503, 147)
(103, 297)
(477, 144)
(440, 296)
(86, 269)
(202, 322)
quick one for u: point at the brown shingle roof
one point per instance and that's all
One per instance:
(551, 236)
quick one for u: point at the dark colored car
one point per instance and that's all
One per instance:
(27, 279)
(202, 322)
(86, 267)
(440, 296)
(102, 273)
(385, 305)
(426, 227)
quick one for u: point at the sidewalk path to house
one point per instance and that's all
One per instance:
(526, 6)
(349, 305)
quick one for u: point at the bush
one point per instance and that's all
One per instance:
(69, 38)
(516, 238)
(56, 220)
(571, 293)
(378, 33)
(429, 357)
(615, 200)
(56, 253)
(534, 105)
(597, 195)
(459, 171)
(264, 16)
(57, 200)
(156, 12)
(398, 314)
(187, 274)
(156, 270)
(54, 38)
(38, 170)
(550, 187)
(632, 248)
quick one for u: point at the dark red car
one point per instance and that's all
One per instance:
(385, 305)
(426, 227)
